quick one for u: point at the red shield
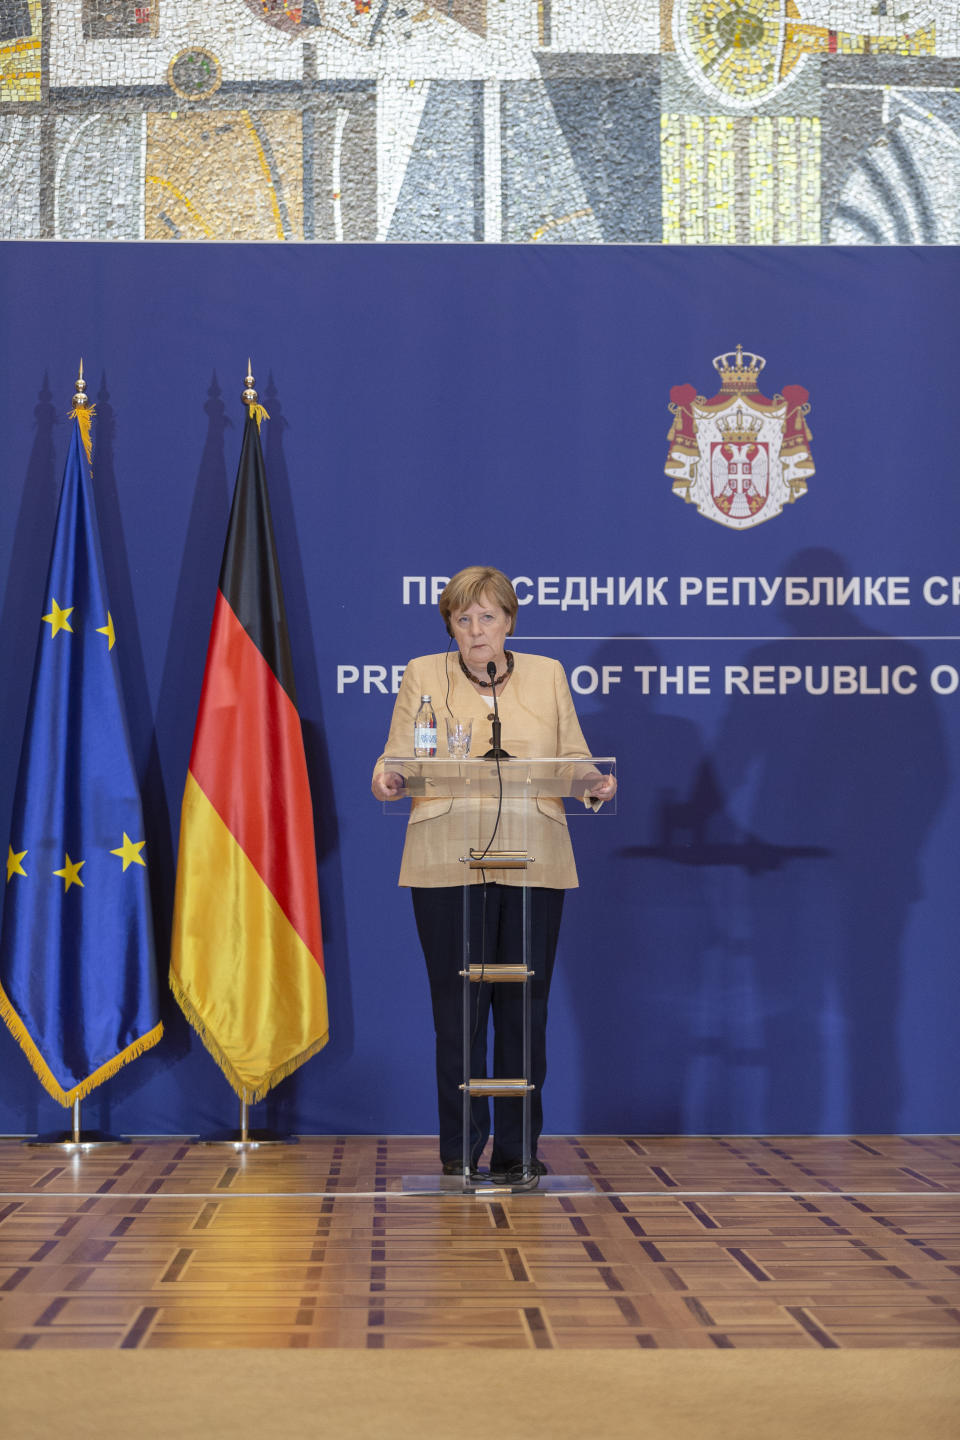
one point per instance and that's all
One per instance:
(739, 477)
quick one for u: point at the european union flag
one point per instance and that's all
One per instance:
(77, 972)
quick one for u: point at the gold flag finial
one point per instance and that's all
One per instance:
(83, 412)
(80, 398)
(251, 399)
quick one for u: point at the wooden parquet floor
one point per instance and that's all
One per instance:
(674, 1242)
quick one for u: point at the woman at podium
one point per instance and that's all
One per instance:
(529, 693)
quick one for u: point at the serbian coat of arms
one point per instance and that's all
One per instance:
(739, 457)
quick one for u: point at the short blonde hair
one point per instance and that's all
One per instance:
(468, 586)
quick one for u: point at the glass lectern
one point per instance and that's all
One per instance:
(497, 809)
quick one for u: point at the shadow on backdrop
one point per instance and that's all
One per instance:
(634, 1004)
(97, 1110)
(286, 1108)
(210, 1102)
(20, 621)
(844, 788)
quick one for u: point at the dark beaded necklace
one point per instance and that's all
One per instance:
(488, 684)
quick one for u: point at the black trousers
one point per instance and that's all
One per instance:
(496, 936)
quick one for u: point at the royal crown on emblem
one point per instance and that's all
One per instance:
(738, 370)
(740, 429)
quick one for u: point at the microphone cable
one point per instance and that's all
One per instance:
(446, 668)
(492, 672)
(496, 825)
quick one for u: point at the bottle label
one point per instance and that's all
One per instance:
(424, 740)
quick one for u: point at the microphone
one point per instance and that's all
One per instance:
(496, 751)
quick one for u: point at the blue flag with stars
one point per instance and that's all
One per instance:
(78, 985)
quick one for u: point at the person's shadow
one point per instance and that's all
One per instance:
(633, 1002)
(845, 788)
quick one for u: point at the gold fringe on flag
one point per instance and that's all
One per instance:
(251, 1089)
(83, 414)
(46, 1076)
(258, 413)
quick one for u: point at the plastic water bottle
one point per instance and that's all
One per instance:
(425, 730)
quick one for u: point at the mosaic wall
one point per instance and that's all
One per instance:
(682, 121)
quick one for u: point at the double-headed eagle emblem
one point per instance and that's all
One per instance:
(739, 457)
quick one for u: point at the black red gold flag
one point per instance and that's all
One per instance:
(247, 958)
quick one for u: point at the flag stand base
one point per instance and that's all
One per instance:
(67, 1140)
(247, 1139)
(75, 1138)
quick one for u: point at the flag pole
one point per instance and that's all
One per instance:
(244, 1138)
(75, 1138)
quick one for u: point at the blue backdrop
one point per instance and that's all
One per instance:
(765, 935)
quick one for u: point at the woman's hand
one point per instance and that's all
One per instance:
(388, 785)
(605, 788)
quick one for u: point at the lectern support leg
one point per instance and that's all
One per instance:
(467, 1109)
(498, 1087)
(527, 987)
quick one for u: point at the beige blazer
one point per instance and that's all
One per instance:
(538, 718)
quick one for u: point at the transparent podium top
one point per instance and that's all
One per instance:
(439, 777)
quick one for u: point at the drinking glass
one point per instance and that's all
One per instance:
(459, 735)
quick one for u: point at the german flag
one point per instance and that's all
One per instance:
(247, 958)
